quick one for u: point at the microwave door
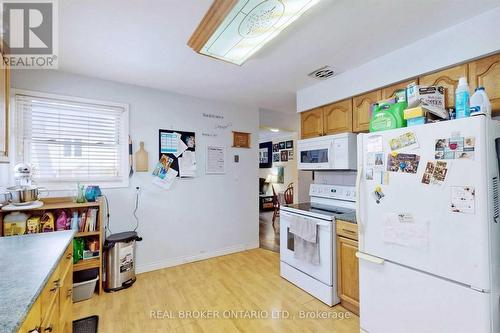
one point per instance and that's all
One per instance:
(314, 157)
(331, 157)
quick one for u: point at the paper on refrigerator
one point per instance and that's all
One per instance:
(402, 229)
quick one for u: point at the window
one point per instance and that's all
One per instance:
(68, 140)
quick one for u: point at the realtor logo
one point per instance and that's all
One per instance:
(29, 33)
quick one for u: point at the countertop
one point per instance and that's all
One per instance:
(348, 217)
(26, 263)
(341, 214)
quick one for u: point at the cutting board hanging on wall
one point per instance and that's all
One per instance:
(141, 159)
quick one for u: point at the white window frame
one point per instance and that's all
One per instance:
(18, 149)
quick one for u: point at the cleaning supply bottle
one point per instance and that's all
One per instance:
(480, 103)
(462, 96)
(74, 221)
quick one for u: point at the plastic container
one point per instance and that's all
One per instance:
(388, 116)
(14, 224)
(416, 121)
(462, 99)
(84, 290)
(480, 103)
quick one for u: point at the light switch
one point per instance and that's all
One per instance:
(236, 158)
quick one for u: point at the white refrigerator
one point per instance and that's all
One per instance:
(429, 231)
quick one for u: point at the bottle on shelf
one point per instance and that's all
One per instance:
(480, 103)
(462, 99)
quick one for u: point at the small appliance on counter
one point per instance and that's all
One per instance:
(23, 195)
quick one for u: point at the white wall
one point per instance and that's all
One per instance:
(201, 217)
(471, 39)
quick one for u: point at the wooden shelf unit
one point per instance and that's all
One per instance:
(54, 204)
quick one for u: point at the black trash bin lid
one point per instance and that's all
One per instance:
(126, 236)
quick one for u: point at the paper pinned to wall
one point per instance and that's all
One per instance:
(402, 229)
(181, 146)
(167, 181)
(216, 159)
(187, 164)
(169, 143)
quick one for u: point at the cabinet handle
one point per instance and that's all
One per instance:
(35, 330)
(349, 231)
(69, 256)
(57, 284)
(48, 329)
(70, 292)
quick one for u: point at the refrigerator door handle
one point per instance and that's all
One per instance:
(372, 259)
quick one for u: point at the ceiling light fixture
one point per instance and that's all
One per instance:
(275, 130)
(233, 30)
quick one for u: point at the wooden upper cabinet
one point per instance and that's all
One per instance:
(337, 117)
(311, 123)
(361, 110)
(447, 78)
(390, 91)
(486, 73)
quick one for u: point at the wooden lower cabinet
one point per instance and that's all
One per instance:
(347, 266)
(52, 312)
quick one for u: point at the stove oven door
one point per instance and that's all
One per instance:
(325, 270)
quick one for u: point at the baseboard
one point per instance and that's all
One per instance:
(170, 262)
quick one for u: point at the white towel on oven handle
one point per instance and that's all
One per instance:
(306, 245)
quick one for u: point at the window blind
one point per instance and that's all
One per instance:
(68, 140)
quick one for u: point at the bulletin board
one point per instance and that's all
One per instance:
(177, 145)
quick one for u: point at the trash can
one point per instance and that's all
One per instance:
(120, 260)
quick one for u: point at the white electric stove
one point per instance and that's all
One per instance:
(328, 202)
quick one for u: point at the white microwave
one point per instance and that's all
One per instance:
(330, 152)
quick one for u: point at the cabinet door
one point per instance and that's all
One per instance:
(447, 78)
(486, 73)
(361, 110)
(33, 320)
(348, 273)
(389, 92)
(311, 123)
(337, 117)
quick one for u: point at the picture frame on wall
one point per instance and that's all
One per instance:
(265, 155)
(282, 145)
(276, 157)
(241, 140)
(290, 155)
(289, 144)
(276, 147)
(284, 155)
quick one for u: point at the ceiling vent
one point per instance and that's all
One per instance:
(323, 73)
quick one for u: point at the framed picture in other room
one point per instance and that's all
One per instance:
(276, 147)
(282, 145)
(276, 157)
(290, 155)
(265, 155)
(284, 155)
(289, 144)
